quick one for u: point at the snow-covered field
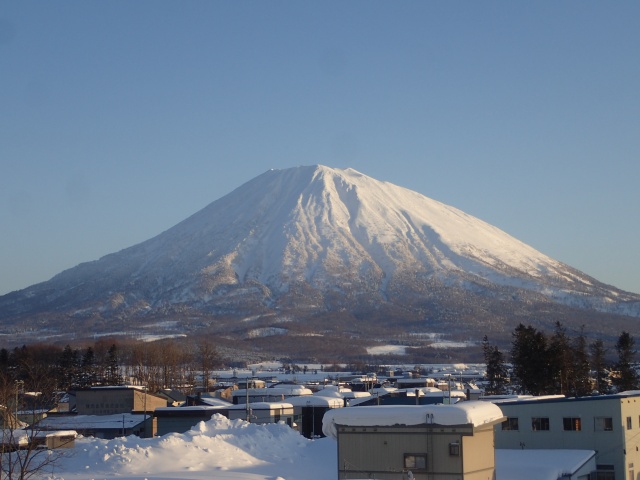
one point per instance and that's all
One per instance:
(219, 449)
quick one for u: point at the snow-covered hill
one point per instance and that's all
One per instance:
(317, 239)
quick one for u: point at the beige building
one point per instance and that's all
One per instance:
(112, 400)
(608, 424)
(435, 442)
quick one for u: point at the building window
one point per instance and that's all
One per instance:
(603, 424)
(415, 461)
(572, 424)
(539, 423)
(629, 425)
(511, 423)
(454, 449)
(605, 472)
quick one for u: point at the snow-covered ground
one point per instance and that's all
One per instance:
(223, 449)
(219, 449)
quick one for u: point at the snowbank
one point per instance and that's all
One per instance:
(216, 449)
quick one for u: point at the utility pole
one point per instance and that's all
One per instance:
(145, 412)
(19, 383)
(248, 411)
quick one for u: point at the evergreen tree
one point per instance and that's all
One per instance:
(88, 374)
(581, 380)
(627, 377)
(68, 368)
(560, 357)
(599, 366)
(496, 368)
(112, 370)
(530, 360)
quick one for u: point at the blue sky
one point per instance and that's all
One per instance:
(118, 119)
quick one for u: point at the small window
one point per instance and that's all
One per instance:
(572, 424)
(629, 424)
(415, 461)
(511, 423)
(539, 423)
(454, 449)
(603, 424)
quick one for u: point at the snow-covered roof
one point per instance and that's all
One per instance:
(316, 401)
(528, 398)
(193, 408)
(57, 433)
(464, 413)
(14, 437)
(417, 381)
(115, 387)
(286, 390)
(382, 390)
(92, 422)
(261, 406)
(331, 391)
(214, 401)
(455, 394)
(355, 394)
(540, 464)
(629, 393)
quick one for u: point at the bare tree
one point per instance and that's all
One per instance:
(21, 454)
(208, 358)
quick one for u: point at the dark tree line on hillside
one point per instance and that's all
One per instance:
(559, 364)
(47, 369)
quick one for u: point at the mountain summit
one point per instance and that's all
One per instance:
(309, 242)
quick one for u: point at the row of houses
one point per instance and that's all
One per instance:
(110, 412)
(419, 433)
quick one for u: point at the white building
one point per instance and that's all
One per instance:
(606, 424)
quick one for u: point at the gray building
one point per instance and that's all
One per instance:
(182, 419)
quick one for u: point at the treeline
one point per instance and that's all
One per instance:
(551, 364)
(162, 364)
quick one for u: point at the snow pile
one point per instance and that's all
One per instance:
(463, 413)
(216, 449)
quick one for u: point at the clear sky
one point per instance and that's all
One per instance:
(118, 119)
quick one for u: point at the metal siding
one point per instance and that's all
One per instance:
(380, 451)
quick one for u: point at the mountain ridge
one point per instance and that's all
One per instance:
(310, 240)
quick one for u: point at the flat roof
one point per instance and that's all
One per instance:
(563, 399)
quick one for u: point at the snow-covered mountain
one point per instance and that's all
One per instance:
(307, 241)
